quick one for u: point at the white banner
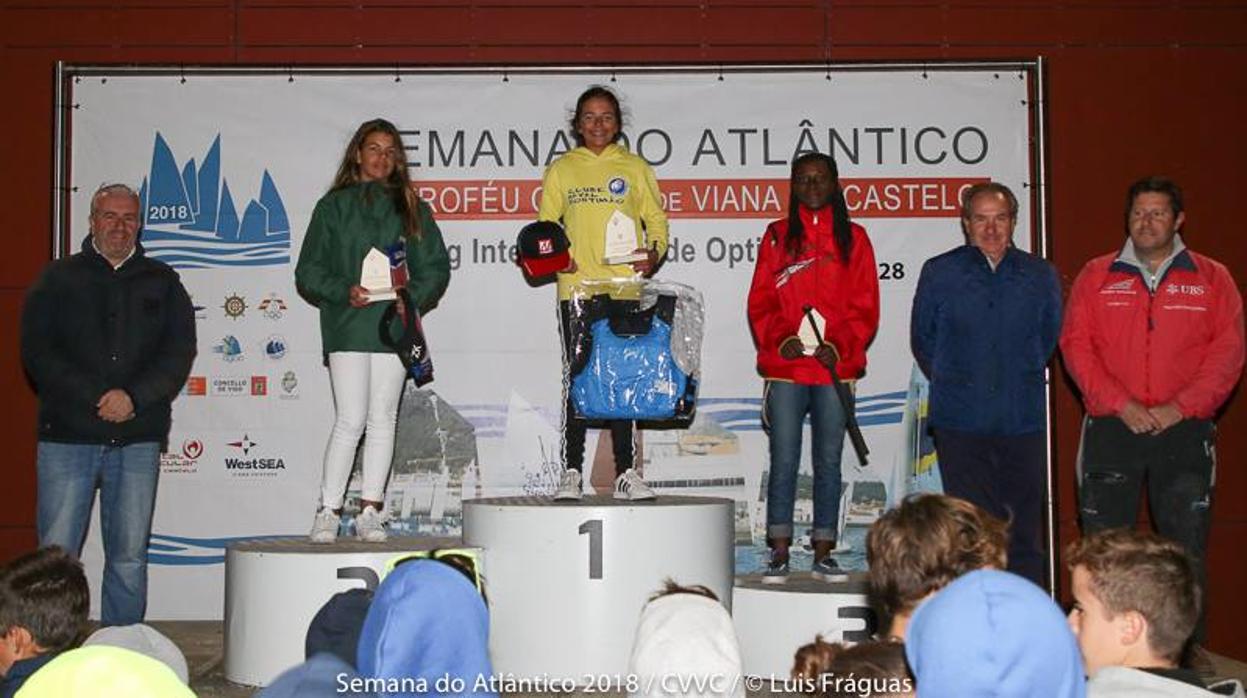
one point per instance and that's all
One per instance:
(231, 167)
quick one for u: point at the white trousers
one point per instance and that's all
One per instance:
(366, 391)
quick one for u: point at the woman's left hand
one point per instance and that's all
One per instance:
(647, 266)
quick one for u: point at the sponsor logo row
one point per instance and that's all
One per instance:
(230, 349)
(243, 457)
(235, 306)
(287, 387)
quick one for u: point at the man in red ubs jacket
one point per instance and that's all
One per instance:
(1153, 336)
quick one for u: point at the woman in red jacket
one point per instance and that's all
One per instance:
(817, 259)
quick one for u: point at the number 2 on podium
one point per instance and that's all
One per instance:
(594, 528)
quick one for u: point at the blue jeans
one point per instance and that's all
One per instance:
(126, 475)
(785, 406)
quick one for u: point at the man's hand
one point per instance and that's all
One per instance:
(1137, 418)
(1166, 415)
(358, 296)
(647, 266)
(791, 348)
(827, 355)
(115, 406)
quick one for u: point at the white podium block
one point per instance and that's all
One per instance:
(567, 580)
(273, 588)
(773, 620)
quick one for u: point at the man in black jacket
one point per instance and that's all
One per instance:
(108, 337)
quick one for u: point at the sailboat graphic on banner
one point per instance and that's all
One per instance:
(190, 220)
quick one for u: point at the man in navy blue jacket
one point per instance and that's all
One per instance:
(985, 321)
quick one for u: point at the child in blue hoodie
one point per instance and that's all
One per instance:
(426, 634)
(993, 634)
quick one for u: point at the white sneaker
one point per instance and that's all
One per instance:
(629, 485)
(325, 526)
(370, 525)
(569, 486)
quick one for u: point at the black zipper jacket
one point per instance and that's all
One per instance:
(87, 328)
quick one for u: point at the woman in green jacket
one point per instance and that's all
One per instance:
(371, 205)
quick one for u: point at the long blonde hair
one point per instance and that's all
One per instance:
(397, 185)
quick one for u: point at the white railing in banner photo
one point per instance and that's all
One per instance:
(231, 160)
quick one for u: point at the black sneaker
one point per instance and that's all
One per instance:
(776, 571)
(827, 570)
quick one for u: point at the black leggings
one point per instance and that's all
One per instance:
(574, 428)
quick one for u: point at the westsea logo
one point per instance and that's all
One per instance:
(190, 220)
(252, 465)
(246, 444)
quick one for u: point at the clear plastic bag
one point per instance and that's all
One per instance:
(635, 349)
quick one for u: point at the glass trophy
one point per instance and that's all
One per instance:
(374, 276)
(810, 333)
(621, 240)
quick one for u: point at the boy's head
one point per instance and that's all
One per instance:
(926, 542)
(832, 669)
(1136, 600)
(44, 601)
